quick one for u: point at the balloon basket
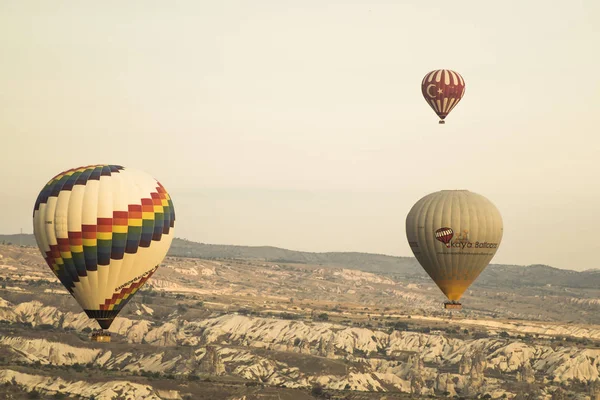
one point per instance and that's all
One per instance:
(100, 336)
(442, 122)
(453, 306)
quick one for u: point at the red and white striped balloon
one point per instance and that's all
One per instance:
(443, 89)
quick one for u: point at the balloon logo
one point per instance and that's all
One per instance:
(103, 231)
(443, 89)
(444, 235)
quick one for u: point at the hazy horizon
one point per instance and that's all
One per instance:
(323, 252)
(304, 127)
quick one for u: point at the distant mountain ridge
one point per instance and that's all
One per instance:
(184, 248)
(364, 261)
(495, 276)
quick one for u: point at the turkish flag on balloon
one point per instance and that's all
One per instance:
(442, 90)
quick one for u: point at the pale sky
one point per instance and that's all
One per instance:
(301, 124)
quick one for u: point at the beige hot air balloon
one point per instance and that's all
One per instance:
(454, 234)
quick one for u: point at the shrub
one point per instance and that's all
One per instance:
(400, 326)
(317, 391)
(181, 308)
(323, 317)
(359, 353)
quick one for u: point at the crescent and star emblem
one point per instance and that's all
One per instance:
(427, 90)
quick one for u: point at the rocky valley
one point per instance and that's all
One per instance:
(234, 325)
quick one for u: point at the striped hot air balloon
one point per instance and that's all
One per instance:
(103, 230)
(444, 235)
(442, 90)
(452, 260)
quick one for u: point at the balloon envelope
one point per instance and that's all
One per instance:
(454, 234)
(443, 89)
(103, 230)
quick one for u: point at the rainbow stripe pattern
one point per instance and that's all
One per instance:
(103, 230)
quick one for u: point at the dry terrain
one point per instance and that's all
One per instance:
(226, 322)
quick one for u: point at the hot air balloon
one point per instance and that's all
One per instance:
(442, 90)
(454, 234)
(103, 231)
